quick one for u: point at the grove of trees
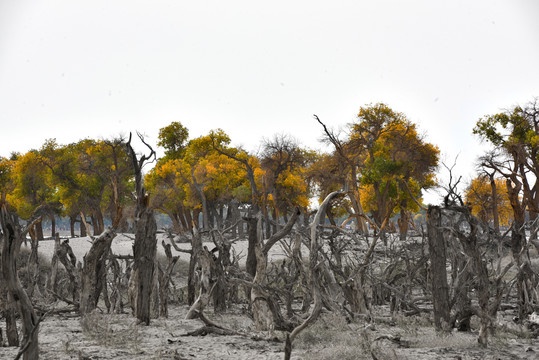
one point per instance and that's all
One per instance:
(351, 222)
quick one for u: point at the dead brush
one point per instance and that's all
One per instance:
(99, 328)
(332, 337)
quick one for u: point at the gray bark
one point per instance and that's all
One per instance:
(92, 271)
(13, 238)
(440, 288)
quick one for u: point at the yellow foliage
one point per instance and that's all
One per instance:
(479, 198)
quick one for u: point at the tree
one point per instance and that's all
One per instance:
(384, 162)
(251, 166)
(489, 201)
(13, 236)
(398, 163)
(284, 164)
(169, 194)
(6, 169)
(347, 166)
(167, 188)
(515, 133)
(91, 177)
(145, 246)
(31, 188)
(173, 138)
(93, 273)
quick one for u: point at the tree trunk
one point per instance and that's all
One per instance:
(92, 271)
(33, 266)
(462, 279)
(97, 220)
(440, 288)
(13, 238)
(84, 227)
(518, 241)
(72, 221)
(182, 218)
(315, 265)
(470, 245)
(403, 224)
(191, 282)
(53, 225)
(200, 191)
(39, 230)
(495, 213)
(173, 216)
(8, 310)
(356, 202)
(189, 220)
(67, 258)
(11, 322)
(218, 273)
(252, 239)
(164, 280)
(204, 258)
(261, 311)
(145, 245)
(52, 285)
(144, 251)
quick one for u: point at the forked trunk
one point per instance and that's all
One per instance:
(13, 238)
(92, 271)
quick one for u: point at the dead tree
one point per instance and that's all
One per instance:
(52, 281)
(243, 159)
(351, 181)
(7, 308)
(164, 280)
(222, 262)
(118, 283)
(145, 246)
(93, 271)
(490, 290)
(191, 283)
(265, 313)
(316, 264)
(14, 234)
(67, 258)
(206, 284)
(440, 288)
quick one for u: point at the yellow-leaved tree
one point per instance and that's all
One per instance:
(489, 201)
(397, 163)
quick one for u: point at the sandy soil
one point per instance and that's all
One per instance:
(116, 336)
(123, 245)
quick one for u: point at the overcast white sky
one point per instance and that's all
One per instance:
(77, 69)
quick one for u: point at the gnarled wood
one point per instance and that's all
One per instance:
(440, 288)
(145, 246)
(315, 264)
(206, 282)
(92, 271)
(13, 238)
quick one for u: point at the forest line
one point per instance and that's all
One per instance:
(382, 158)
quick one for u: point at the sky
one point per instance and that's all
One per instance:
(71, 70)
